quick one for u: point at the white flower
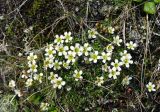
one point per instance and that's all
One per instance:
(32, 68)
(52, 77)
(99, 81)
(105, 57)
(126, 58)
(109, 48)
(111, 30)
(24, 74)
(126, 61)
(131, 45)
(68, 88)
(38, 77)
(49, 46)
(48, 63)
(59, 39)
(32, 62)
(20, 54)
(78, 49)
(18, 92)
(113, 73)
(57, 65)
(12, 84)
(32, 57)
(50, 51)
(126, 80)
(151, 87)
(92, 33)
(70, 56)
(94, 57)
(125, 54)
(86, 59)
(67, 37)
(116, 65)
(61, 49)
(1, 17)
(44, 106)
(29, 82)
(51, 63)
(27, 30)
(77, 75)
(105, 67)
(58, 83)
(86, 49)
(117, 40)
(66, 65)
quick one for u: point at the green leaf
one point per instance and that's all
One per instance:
(138, 0)
(157, 1)
(35, 99)
(54, 111)
(26, 109)
(150, 7)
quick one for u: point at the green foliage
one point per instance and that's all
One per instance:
(120, 3)
(150, 7)
(26, 109)
(9, 30)
(138, 0)
(35, 99)
(157, 1)
(36, 5)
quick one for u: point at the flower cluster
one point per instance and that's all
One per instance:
(63, 54)
(32, 63)
(32, 68)
(56, 80)
(12, 84)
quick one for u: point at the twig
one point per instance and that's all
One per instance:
(54, 24)
(18, 8)
(124, 26)
(86, 18)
